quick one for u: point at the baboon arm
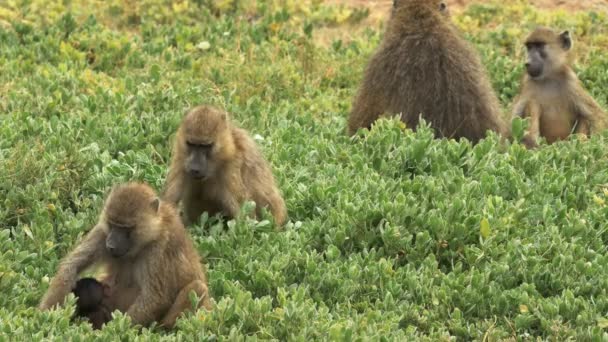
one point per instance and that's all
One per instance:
(90, 250)
(589, 114)
(231, 204)
(519, 109)
(174, 187)
(583, 126)
(235, 194)
(534, 113)
(280, 212)
(586, 106)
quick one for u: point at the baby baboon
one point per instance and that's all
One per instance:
(216, 167)
(151, 262)
(425, 68)
(89, 302)
(551, 94)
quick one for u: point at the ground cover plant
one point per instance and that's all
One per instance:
(392, 235)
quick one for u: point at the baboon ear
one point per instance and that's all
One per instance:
(443, 6)
(224, 116)
(565, 40)
(155, 204)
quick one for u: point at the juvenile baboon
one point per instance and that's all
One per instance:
(425, 68)
(216, 167)
(89, 302)
(551, 95)
(150, 260)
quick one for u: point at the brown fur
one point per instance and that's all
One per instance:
(556, 105)
(152, 281)
(423, 67)
(238, 171)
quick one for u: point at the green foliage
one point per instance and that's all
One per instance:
(393, 235)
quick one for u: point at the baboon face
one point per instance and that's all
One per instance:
(130, 219)
(204, 128)
(119, 240)
(546, 52)
(197, 160)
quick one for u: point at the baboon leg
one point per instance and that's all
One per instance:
(182, 302)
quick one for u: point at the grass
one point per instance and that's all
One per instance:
(392, 236)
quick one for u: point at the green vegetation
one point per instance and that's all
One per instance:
(393, 234)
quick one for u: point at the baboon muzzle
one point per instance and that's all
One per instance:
(118, 243)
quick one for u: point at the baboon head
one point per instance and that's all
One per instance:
(547, 52)
(205, 141)
(131, 219)
(438, 5)
(89, 294)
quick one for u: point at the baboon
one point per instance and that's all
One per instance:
(89, 302)
(151, 263)
(424, 68)
(216, 167)
(551, 95)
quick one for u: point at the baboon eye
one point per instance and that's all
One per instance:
(126, 228)
(534, 45)
(205, 146)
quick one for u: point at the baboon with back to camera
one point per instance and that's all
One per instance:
(151, 263)
(551, 96)
(425, 68)
(216, 167)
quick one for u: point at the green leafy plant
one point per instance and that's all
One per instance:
(393, 235)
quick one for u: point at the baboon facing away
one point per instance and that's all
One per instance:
(551, 95)
(216, 167)
(425, 68)
(151, 262)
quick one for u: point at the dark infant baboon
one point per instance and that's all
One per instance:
(89, 302)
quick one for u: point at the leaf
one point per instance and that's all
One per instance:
(518, 127)
(598, 200)
(26, 229)
(602, 323)
(484, 228)
(155, 73)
